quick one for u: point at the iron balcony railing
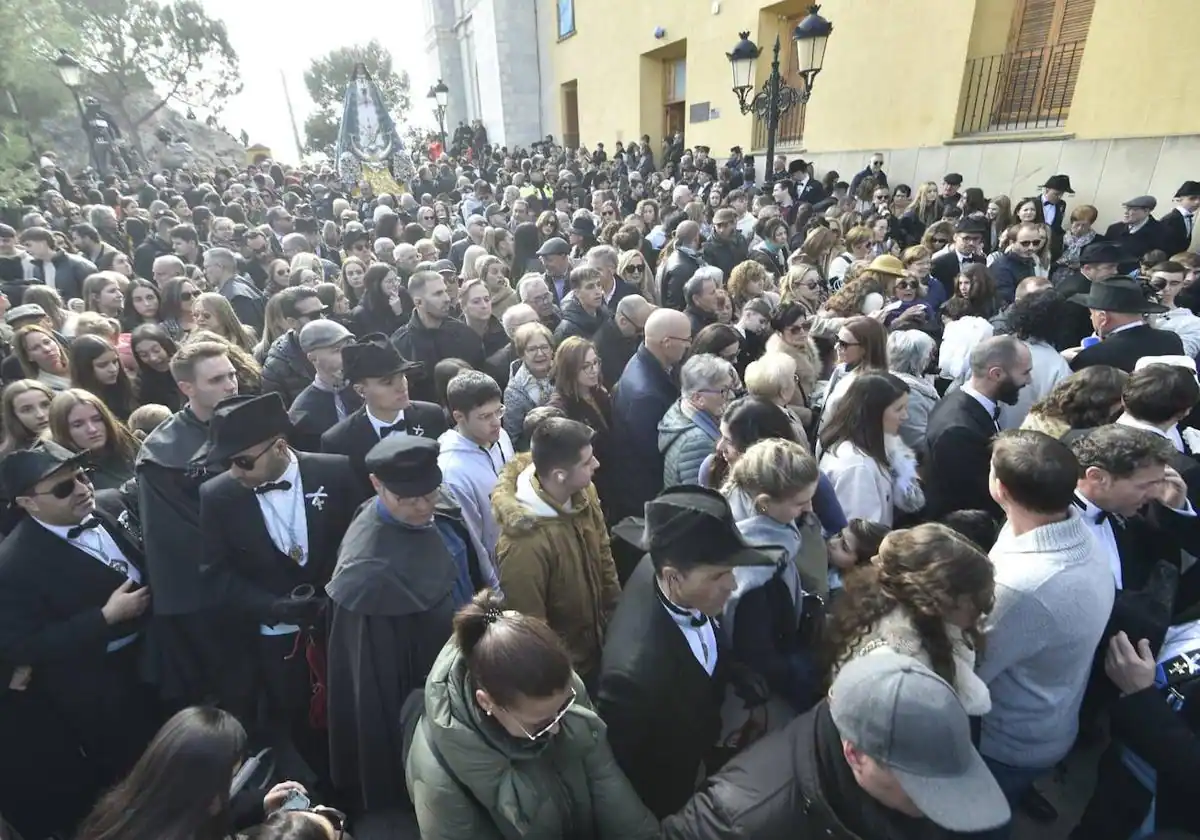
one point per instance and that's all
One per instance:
(789, 132)
(1017, 91)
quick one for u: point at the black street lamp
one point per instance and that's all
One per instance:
(439, 93)
(775, 99)
(71, 73)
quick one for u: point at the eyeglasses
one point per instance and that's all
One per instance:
(725, 393)
(687, 341)
(188, 295)
(938, 240)
(336, 819)
(543, 730)
(247, 462)
(63, 489)
(592, 365)
(634, 268)
(491, 415)
(538, 348)
(840, 343)
(907, 284)
(1030, 243)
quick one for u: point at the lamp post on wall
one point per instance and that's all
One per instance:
(776, 98)
(440, 94)
(71, 73)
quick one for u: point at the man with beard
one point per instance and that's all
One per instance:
(191, 638)
(961, 427)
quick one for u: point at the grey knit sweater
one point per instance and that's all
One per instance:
(1054, 595)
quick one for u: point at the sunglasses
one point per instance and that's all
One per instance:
(534, 736)
(63, 489)
(247, 462)
(635, 268)
(188, 295)
(906, 284)
(845, 344)
(1030, 243)
(937, 240)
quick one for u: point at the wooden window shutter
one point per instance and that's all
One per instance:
(1045, 48)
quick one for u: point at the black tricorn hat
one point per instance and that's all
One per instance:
(693, 526)
(1118, 294)
(1101, 252)
(241, 422)
(373, 355)
(1062, 183)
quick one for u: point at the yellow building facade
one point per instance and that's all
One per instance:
(1005, 92)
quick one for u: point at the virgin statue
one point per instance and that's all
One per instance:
(369, 147)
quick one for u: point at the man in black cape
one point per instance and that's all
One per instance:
(188, 638)
(406, 564)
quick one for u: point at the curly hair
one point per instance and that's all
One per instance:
(1085, 399)
(1037, 316)
(848, 301)
(927, 571)
(743, 274)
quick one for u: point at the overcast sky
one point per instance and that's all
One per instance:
(275, 35)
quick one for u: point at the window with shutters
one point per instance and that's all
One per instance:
(1030, 85)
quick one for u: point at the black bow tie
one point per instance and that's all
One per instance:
(996, 414)
(85, 525)
(695, 621)
(273, 485)
(1095, 518)
(384, 431)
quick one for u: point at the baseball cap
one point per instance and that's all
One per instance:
(909, 720)
(317, 335)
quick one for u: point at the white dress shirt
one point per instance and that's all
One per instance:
(98, 543)
(378, 424)
(988, 403)
(702, 640)
(1172, 434)
(1049, 210)
(1105, 538)
(283, 514)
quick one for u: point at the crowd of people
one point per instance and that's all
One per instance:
(570, 495)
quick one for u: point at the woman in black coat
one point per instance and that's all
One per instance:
(386, 305)
(581, 396)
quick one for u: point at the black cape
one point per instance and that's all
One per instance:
(192, 655)
(391, 608)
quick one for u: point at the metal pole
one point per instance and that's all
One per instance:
(772, 112)
(441, 112)
(292, 119)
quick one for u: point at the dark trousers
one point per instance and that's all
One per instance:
(285, 691)
(1119, 803)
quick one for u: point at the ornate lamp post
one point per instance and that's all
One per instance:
(71, 73)
(775, 98)
(439, 93)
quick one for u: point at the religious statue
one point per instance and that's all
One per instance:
(369, 147)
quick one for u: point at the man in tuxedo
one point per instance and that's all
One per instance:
(377, 371)
(1138, 233)
(1097, 260)
(271, 525)
(961, 427)
(71, 605)
(329, 399)
(663, 673)
(808, 189)
(969, 233)
(1054, 210)
(1177, 225)
(1159, 394)
(1118, 308)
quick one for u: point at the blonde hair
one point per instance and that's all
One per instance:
(771, 469)
(146, 418)
(102, 326)
(470, 267)
(857, 236)
(789, 285)
(228, 326)
(769, 375)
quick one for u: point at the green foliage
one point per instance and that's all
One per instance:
(174, 49)
(326, 80)
(30, 90)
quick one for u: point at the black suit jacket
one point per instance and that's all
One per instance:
(51, 596)
(811, 192)
(1173, 233)
(1134, 245)
(355, 435)
(1122, 350)
(314, 413)
(247, 570)
(662, 708)
(958, 448)
(1056, 227)
(947, 266)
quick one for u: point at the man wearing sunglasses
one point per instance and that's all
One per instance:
(968, 245)
(71, 607)
(1017, 262)
(271, 524)
(287, 370)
